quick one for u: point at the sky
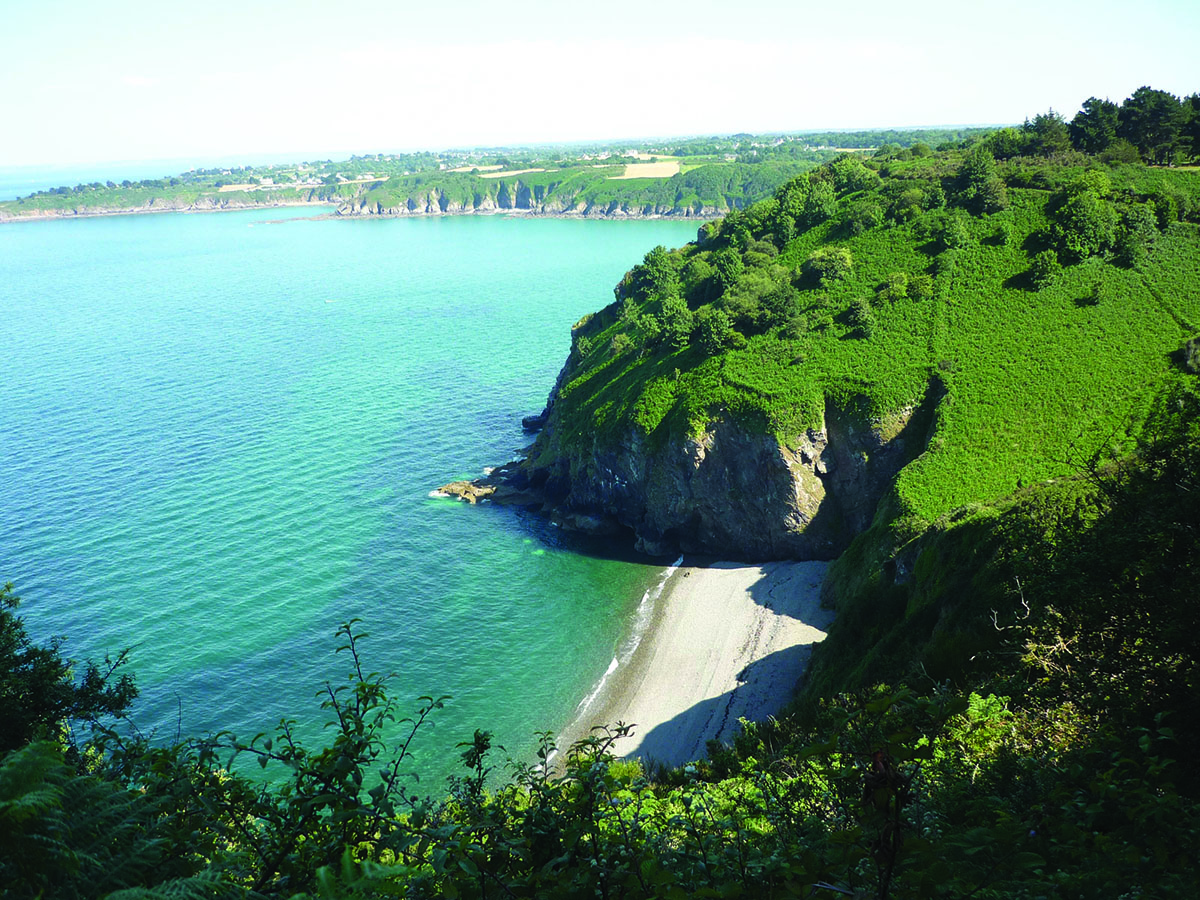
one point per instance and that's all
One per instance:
(90, 81)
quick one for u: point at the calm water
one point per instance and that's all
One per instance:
(220, 433)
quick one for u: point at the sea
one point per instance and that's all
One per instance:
(220, 440)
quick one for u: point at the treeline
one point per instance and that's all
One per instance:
(1151, 125)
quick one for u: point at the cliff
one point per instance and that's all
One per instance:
(728, 491)
(184, 202)
(832, 361)
(518, 196)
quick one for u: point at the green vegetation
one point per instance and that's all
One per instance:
(1012, 720)
(951, 266)
(1004, 706)
(716, 175)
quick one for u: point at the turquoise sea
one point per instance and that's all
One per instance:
(218, 438)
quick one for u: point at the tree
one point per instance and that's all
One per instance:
(1191, 127)
(676, 322)
(1082, 226)
(862, 317)
(894, 288)
(978, 186)
(39, 695)
(819, 204)
(715, 332)
(1007, 143)
(1152, 121)
(828, 264)
(1094, 126)
(1045, 267)
(699, 281)
(860, 216)
(850, 175)
(1048, 133)
(1139, 226)
(729, 267)
(950, 230)
(657, 276)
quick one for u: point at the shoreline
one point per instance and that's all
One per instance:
(141, 210)
(147, 211)
(722, 641)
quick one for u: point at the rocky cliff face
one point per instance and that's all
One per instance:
(728, 492)
(213, 203)
(517, 196)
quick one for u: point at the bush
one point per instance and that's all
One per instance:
(1084, 225)
(851, 176)
(39, 696)
(828, 264)
(861, 317)
(950, 231)
(944, 263)
(1137, 230)
(675, 321)
(978, 187)
(920, 287)
(859, 217)
(714, 332)
(894, 288)
(1044, 269)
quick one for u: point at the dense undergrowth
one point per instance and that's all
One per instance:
(1005, 705)
(1011, 718)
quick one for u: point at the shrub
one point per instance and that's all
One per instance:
(950, 230)
(894, 288)
(729, 267)
(851, 176)
(1191, 355)
(828, 264)
(1083, 226)
(714, 332)
(859, 217)
(944, 262)
(1137, 230)
(978, 187)
(1044, 269)
(862, 317)
(675, 320)
(699, 281)
(920, 287)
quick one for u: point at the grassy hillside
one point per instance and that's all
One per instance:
(893, 284)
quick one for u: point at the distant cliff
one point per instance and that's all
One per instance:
(592, 191)
(517, 196)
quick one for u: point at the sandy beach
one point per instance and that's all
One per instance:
(725, 641)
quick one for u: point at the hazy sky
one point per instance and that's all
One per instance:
(96, 80)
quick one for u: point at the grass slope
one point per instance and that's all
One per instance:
(1038, 376)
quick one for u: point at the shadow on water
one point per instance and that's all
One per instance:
(537, 525)
(684, 737)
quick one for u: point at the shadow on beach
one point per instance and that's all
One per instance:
(764, 688)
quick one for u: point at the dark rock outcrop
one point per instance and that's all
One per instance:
(729, 492)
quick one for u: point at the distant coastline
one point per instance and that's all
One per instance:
(337, 213)
(85, 213)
